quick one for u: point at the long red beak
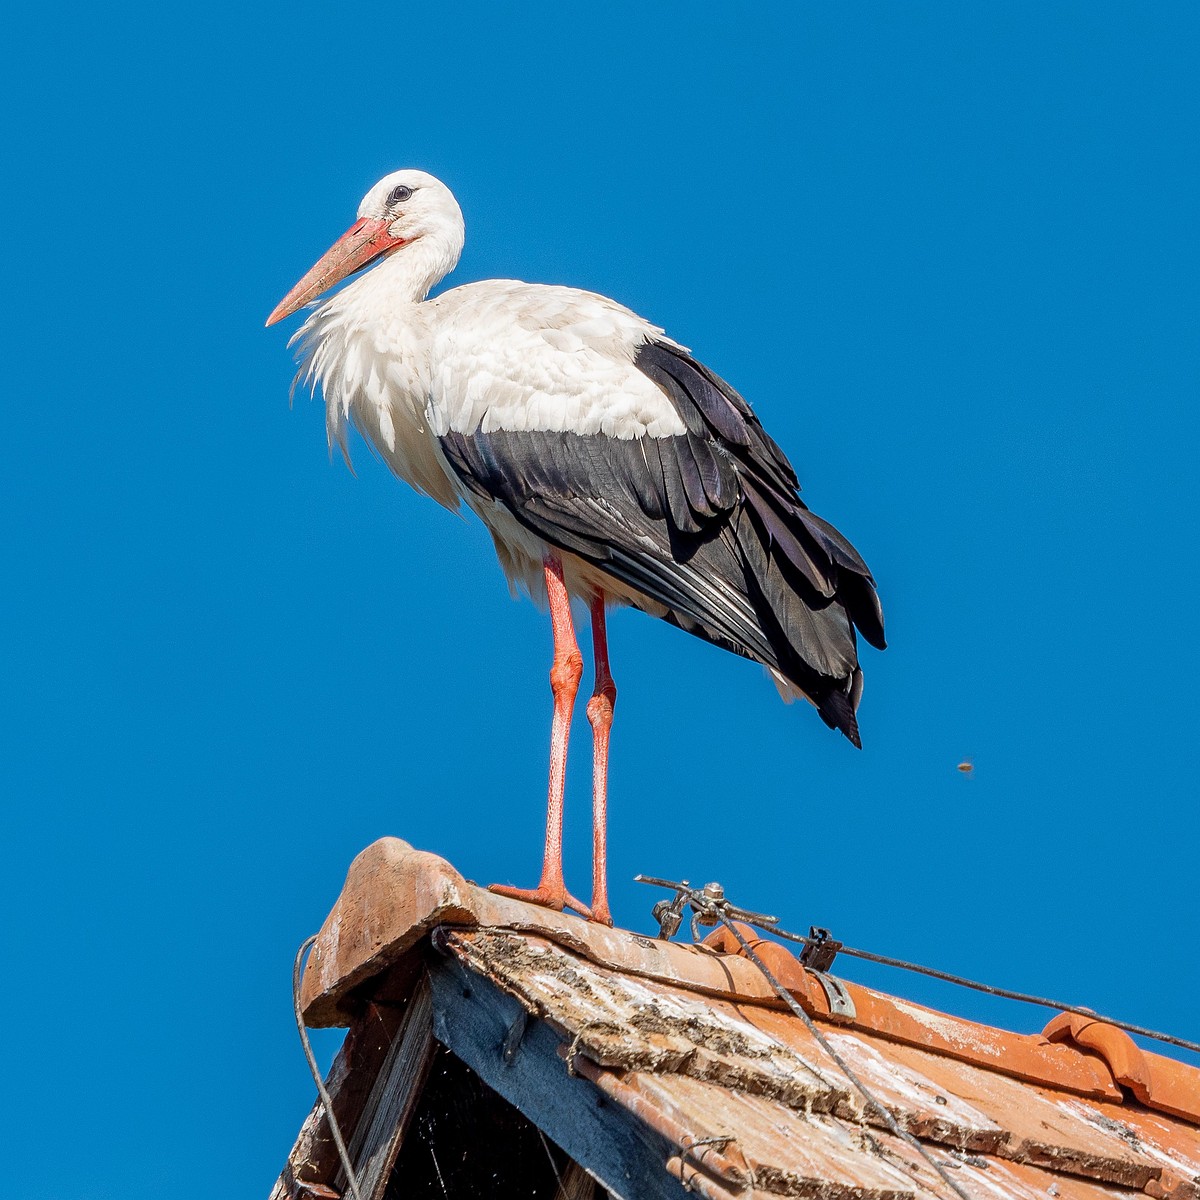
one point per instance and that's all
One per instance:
(362, 243)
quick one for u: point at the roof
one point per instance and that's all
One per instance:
(593, 1032)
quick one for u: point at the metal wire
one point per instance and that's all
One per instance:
(990, 990)
(873, 1104)
(769, 925)
(343, 1154)
(560, 1191)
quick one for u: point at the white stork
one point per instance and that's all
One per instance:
(607, 463)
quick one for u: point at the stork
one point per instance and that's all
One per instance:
(608, 464)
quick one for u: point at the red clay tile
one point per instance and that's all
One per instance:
(696, 1044)
(1025, 1057)
(1158, 1082)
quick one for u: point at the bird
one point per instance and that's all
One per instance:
(608, 463)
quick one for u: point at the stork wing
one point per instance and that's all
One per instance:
(707, 523)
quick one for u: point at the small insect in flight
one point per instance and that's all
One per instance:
(967, 766)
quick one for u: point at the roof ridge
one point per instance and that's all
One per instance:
(395, 896)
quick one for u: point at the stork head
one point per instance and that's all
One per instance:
(404, 209)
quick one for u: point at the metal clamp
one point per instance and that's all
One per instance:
(669, 915)
(818, 954)
(820, 950)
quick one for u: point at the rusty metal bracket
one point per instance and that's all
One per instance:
(669, 915)
(511, 1046)
(820, 949)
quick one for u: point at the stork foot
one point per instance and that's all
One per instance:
(600, 913)
(546, 895)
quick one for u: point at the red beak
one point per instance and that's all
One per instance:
(362, 243)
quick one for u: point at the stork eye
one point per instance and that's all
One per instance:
(399, 194)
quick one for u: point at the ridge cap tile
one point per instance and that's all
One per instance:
(1158, 1082)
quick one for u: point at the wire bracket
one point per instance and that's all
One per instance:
(820, 950)
(818, 954)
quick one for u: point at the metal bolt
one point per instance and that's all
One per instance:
(714, 894)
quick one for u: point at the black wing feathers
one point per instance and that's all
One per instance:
(707, 524)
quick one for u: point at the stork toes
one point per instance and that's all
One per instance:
(565, 673)
(564, 680)
(548, 895)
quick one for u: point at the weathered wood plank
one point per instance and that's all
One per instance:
(313, 1160)
(397, 1088)
(473, 1019)
(575, 1184)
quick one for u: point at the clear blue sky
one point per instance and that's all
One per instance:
(948, 250)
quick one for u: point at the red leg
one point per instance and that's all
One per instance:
(600, 714)
(564, 683)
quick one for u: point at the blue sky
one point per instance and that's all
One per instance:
(948, 251)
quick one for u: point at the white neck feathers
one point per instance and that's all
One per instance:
(367, 348)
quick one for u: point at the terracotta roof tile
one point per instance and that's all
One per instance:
(1027, 1057)
(1157, 1081)
(693, 1042)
